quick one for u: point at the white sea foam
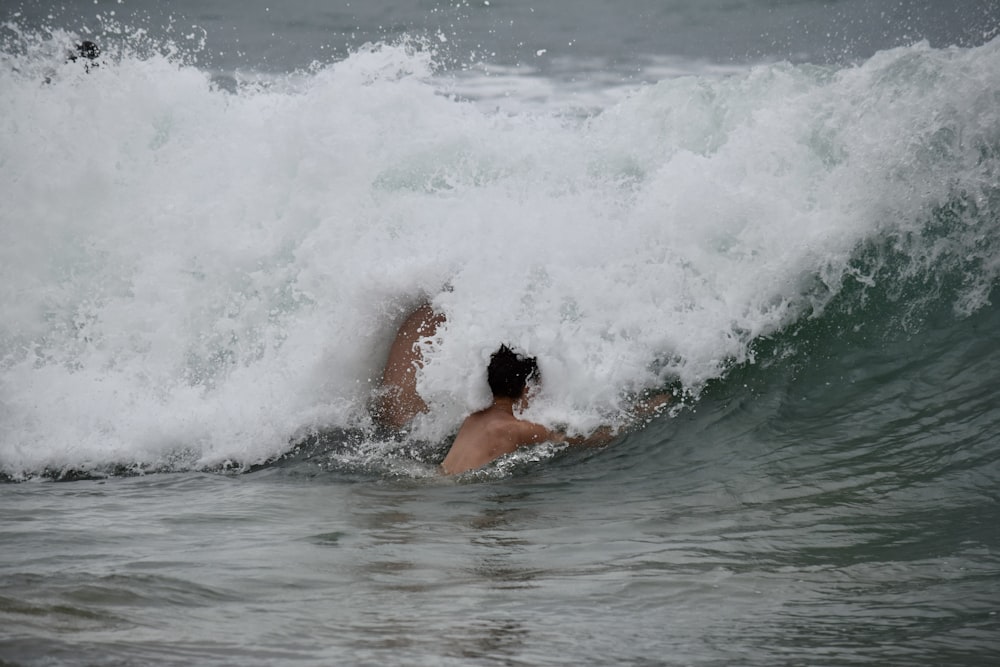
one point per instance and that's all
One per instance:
(191, 276)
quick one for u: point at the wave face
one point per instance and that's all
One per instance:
(192, 276)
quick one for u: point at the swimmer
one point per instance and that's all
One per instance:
(488, 434)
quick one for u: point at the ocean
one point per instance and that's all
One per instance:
(785, 213)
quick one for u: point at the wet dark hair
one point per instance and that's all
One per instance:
(508, 372)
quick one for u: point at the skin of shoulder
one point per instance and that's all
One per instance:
(488, 435)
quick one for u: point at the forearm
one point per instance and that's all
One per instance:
(642, 410)
(601, 436)
(651, 406)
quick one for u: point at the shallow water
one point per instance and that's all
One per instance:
(209, 242)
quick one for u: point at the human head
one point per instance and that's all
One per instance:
(508, 373)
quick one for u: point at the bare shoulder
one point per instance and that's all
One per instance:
(521, 432)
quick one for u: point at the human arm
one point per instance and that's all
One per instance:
(651, 406)
(643, 410)
(520, 433)
(396, 401)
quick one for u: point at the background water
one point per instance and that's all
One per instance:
(788, 213)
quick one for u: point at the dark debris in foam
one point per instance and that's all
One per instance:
(74, 474)
(314, 447)
(330, 449)
(318, 450)
(109, 471)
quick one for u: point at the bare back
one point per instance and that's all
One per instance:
(491, 433)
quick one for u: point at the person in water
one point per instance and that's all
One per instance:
(490, 433)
